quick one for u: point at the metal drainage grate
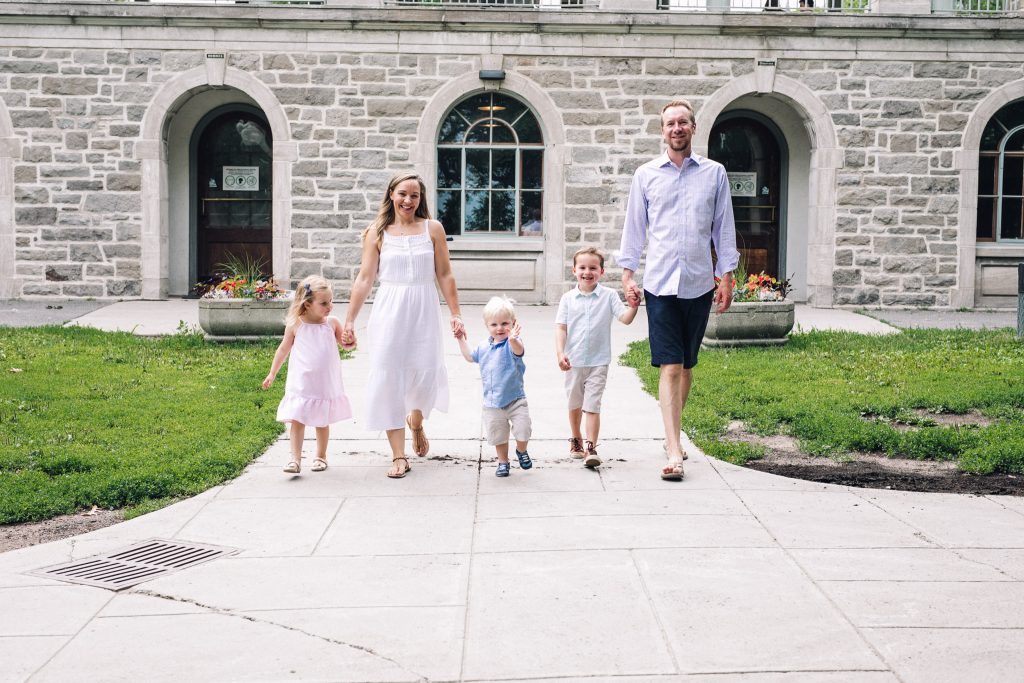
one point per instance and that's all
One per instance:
(132, 565)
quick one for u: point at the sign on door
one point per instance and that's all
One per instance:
(241, 178)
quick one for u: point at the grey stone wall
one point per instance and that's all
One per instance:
(354, 118)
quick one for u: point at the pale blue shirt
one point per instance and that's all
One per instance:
(681, 212)
(501, 372)
(588, 321)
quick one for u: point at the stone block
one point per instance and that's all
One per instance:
(104, 270)
(127, 232)
(942, 69)
(908, 264)
(47, 254)
(63, 272)
(901, 109)
(133, 93)
(81, 290)
(16, 66)
(905, 89)
(76, 140)
(943, 248)
(124, 182)
(677, 67)
(900, 245)
(112, 251)
(114, 203)
(40, 289)
(945, 140)
(351, 201)
(65, 85)
(31, 118)
(25, 174)
(310, 221)
(898, 164)
(35, 215)
(908, 299)
(854, 296)
(310, 169)
(862, 197)
(843, 257)
(31, 195)
(390, 106)
(124, 288)
(586, 195)
(84, 252)
(124, 131)
(935, 185)
(842, 277)
(375, 75)
(330, 76)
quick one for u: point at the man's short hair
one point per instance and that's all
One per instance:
(678, 103)
(499, 305)
(589, 250)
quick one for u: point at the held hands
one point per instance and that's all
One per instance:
(563, 362)
(633, 298)
(348, 336)
(458, 329)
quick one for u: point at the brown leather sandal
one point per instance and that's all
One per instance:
(404, 471)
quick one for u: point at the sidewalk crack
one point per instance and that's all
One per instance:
(248, 617)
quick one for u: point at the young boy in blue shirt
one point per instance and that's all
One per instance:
(501, 371)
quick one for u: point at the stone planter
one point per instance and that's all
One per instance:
(225, 319)
(751, 323)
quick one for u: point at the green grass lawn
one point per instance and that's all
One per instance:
(840, 392)
(113, 420)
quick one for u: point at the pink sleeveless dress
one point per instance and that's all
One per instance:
(314, 394)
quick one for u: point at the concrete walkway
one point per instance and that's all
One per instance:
(557, 573)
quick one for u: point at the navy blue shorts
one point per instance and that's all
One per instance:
(676, 327)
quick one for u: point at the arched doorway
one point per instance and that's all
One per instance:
(231, 162)
(753, 151)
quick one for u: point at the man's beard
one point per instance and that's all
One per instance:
(679, 145)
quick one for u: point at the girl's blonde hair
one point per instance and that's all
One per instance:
(303, 298)
(386, 213)
(499, 305)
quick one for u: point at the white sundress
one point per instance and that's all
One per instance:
(406, 355)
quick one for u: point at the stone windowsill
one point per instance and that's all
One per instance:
(990, 250)
(502, 244)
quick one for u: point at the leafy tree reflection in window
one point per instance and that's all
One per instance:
(490, 162)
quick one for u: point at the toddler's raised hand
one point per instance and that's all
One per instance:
(517, 330)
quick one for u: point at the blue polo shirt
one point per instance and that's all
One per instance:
(501, 372)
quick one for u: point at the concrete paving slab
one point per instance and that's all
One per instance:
(213, 647)
(934, 655)
(619, 532)
(21, 656)
(428, 478)
(772, 677)
(646, 475)
(49, 610)
(954, 520)
(144, 318)
(550, 478)
(426, 640)
(401, 525)
(942, 604)
(596, 617)
(345, 452)
(807, 318)
(743, 479)
(828, 519)
(748, 609)
(1009, 562)
(134, 605)
(895, 564)
(317, 582)
(1015, 503)
(263, 526)
(606, 503)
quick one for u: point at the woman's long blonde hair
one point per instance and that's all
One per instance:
(386, 214)
(303, 297)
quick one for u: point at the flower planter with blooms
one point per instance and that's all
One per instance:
(758, 316)
(241, 303)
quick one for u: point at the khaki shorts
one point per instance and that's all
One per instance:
(498, 420)
(584, 387)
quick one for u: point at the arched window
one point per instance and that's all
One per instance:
(1001, 176)
(490, 161)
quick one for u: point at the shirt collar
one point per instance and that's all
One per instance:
(490, 340)
(697, 159)
(580, 292)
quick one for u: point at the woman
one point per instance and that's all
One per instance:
(408, 251)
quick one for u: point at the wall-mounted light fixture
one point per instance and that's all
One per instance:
(492, 74)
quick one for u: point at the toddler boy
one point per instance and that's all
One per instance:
(501, 371)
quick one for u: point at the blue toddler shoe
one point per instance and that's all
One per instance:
(524, 459)
(502, 470)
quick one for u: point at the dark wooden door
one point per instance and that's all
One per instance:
(751, 156)
(234, 190)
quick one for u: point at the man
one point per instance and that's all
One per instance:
(680, 203)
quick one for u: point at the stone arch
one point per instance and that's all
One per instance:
(967, 163)
(825, 158)
(10, 149)
(555, 157)
(151, 150)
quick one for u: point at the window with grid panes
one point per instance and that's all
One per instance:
(490, 162)
(1001, 176)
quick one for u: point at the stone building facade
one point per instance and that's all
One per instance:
(879, 120)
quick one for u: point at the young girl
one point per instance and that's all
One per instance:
(313, 392)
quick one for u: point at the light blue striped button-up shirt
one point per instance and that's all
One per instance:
(681, 211)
